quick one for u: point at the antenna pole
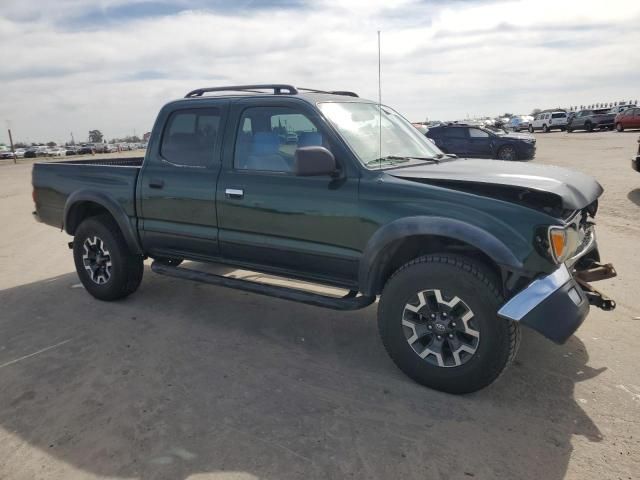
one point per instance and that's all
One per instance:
(379, 102)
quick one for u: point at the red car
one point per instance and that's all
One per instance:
(628, 119)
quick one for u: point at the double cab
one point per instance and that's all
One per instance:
(337, 190)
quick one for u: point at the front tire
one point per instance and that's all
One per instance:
(507, 153)
(105, 265)
(530, 129)
(545, 129)
(438, 321)
(589, 126)
(619, 127)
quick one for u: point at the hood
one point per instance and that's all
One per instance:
(554, 190)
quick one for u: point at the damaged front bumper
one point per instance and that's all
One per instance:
(556, 305)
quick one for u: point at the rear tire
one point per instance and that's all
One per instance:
(588, 127)
(105, 265)
(438, 321)
(545, 129)
(530, 129)
(619, 127)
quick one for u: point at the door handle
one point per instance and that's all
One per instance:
(156, 183)
(234, 193)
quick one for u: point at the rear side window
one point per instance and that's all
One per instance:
(454, 133)
(190, 136)
(559, 115)
(477, 133)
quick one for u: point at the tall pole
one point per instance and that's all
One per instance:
(12, 149)
(379, 102)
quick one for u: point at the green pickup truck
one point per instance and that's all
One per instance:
(336, 190)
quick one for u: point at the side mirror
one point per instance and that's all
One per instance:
(314, 161)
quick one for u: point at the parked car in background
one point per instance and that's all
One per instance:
(480, 142)
(110, 148)
(635, 162)
(7, 154)
(621, 108)
(547, 121)
(86, 149)
(630, 118)
(71, 150)
(31, 153)
(591, 119)
(56, 152)
(20, 152)
(519, 123)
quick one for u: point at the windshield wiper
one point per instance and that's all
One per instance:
(392, 159)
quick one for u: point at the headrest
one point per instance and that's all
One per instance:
(310, 139)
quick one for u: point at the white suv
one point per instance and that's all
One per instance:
(546, 121)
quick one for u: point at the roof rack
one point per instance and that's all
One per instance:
(331, 92)
(276, 87)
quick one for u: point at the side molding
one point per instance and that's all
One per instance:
(112, 206)
(377, 252)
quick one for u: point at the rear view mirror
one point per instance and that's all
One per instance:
(314, 161)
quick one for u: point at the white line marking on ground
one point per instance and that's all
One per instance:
(34, 353)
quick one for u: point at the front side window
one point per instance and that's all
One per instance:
(375, 132)
(477, 133)
(455, 132)
(269, 136)
(190, 137)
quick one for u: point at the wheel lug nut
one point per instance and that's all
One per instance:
(439, 337)
(430, 327)
(444, 314)
(433, 315)
(453, 324)
(451, 335)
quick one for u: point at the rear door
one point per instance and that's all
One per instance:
(454, 140)
(177, 185)
(271, 218)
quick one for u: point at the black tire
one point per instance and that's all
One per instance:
(619, 127)
(122, 273)
(530, 129)
(569, 129)
(588, 127)
(545, 129)
(508, 152)
(477, 289)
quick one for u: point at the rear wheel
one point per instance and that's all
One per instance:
(438, 321)
(105, 265)
(545, 129)
(588, 126)
(619, 127)
(507, 153)
(530, 129)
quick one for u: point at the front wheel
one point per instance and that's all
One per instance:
(619, 127)
(530, 129)
(588, 126)
(507, 153)
(438, 321)
(545, 129)
(105, 265)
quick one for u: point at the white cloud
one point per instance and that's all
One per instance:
(441, 60)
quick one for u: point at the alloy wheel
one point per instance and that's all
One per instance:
(97, 260)
(440, 331)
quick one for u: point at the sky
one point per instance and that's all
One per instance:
(77, 65)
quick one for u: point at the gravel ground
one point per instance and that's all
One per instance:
(183, 380)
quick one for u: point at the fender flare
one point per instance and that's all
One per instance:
(378, 252)
(112, 206)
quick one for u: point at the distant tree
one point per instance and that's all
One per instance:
(20, 145)
(535, 111)
(508, 115)
(95, 136)
(51, 144)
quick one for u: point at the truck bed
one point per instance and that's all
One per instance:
(55, 182)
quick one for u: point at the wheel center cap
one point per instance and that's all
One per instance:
(440, 327)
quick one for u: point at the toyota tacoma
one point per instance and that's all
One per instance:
(460, 253)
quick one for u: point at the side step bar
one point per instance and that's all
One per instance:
(351, 301)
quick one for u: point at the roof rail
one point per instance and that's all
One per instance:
(276, 87)
(331, 92)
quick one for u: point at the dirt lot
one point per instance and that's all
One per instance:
(190, 381)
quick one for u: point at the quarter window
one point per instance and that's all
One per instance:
(190, 137)
(477, 133)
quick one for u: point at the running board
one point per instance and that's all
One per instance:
(351, 301)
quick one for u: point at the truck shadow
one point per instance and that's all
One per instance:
(634, 196)
(182, 379)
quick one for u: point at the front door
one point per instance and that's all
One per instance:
(303, 226)
(480, 143)
(177, 186)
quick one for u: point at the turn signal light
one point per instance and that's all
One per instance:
(558, 243)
